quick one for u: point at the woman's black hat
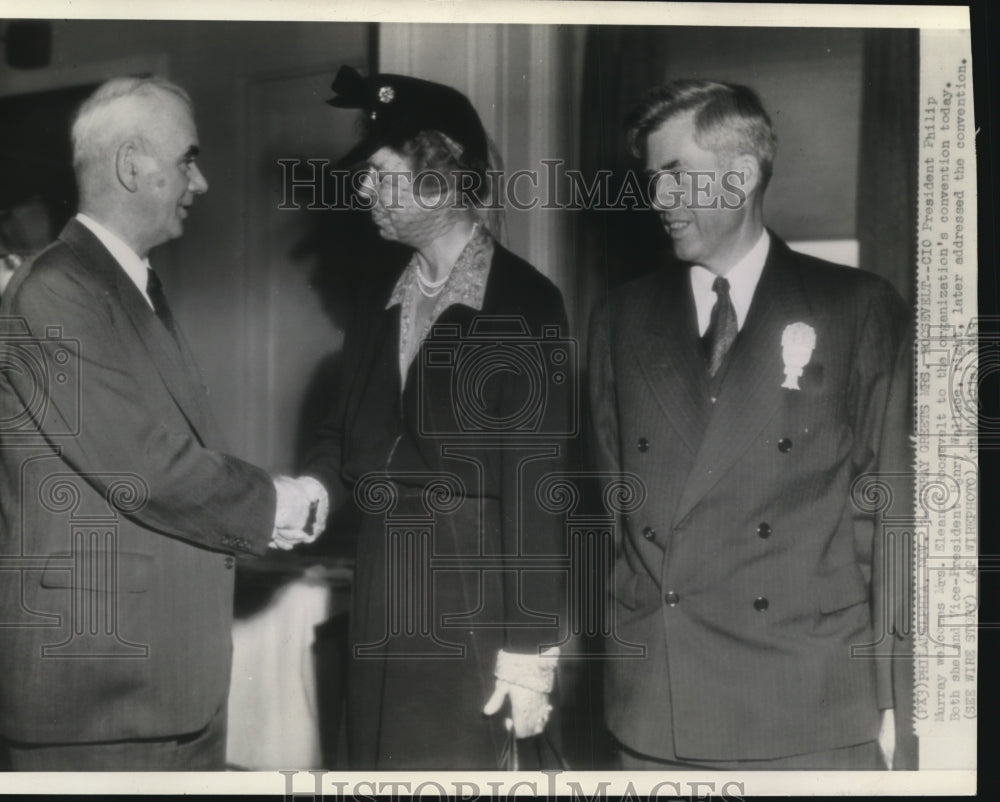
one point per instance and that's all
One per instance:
(397, 108)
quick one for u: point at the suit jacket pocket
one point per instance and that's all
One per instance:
(807, 397)
(99, 570)
(844, 588)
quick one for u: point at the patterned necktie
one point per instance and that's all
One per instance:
(154, 289)
(722, 328)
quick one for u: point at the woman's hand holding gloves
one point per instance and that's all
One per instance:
(526, 679)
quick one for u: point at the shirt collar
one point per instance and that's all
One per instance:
(134, 267)
(742, 277)
(466, 283)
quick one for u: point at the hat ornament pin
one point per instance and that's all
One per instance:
(396, 108)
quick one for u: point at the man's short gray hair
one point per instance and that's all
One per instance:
(729, 120)
(104, 117)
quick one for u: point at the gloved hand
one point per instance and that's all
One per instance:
(300, 513)
(525, 679)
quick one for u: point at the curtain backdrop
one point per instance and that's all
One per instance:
(620, 63)
(887, 230)
(887, 168)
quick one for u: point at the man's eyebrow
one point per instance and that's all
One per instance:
(191, 152)
(671, 165)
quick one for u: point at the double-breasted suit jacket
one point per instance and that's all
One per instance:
(746, 574)
(487, 404)
(120, 512)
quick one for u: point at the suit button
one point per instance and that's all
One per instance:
(764, 530)
(784, 445)
(672, 599)
(643, 445)
(649, 533)
(230, 562)
(760, 604)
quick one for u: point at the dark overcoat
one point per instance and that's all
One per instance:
(457, 557)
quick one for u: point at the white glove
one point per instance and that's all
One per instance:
(526, 679)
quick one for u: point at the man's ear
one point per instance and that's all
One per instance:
(127, 165)
(749, 169)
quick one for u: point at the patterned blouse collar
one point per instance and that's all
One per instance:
(466, 283)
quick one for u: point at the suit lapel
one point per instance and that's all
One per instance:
(670, 358)
(170, 358)
(751, 392)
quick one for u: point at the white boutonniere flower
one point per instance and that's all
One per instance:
(797, 343)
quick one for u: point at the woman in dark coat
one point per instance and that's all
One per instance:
(455, 404)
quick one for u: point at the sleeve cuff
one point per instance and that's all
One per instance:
(535, 672)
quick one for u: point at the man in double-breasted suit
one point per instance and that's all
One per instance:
(121, 514)
(748, 390)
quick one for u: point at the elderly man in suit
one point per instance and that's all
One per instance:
(748, 389)
(121, 511)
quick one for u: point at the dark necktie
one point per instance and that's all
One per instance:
(154, 289)
(722, 328)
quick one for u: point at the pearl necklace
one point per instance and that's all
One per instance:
(431, 289)
(428, 288)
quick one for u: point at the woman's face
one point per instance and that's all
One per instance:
(407, 206)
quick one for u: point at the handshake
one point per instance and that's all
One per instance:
(300, 514)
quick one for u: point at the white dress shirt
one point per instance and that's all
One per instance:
(134, 267)
(742, 278)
